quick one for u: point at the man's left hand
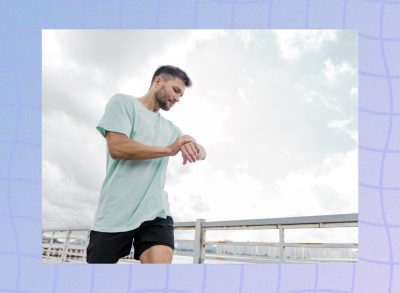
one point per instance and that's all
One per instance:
(190, 152)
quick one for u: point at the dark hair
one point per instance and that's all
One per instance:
(169, 72)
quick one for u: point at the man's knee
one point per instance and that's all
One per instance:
(157, 254)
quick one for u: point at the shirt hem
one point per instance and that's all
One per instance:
(126, 229)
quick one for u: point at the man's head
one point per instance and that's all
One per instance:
(169, 72)
(169, 84)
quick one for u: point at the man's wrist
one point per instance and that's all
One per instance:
(167, 151)
(202, 153)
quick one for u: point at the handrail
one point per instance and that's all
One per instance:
(325, 219)
(200, 226)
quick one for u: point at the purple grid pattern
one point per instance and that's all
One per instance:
(379, 192)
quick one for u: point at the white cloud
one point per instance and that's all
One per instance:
(52, 50)
(243, 96)
(207, 124)
(247, 37)
(292, 43)
(339, 124)
(354, 92)
(65, 202)
(222, 194)
(354, 135)
(311, 95)
(329, 188)
(332, 71)
(344, 125)
(73, 169)
(177, 52)
(243, 165)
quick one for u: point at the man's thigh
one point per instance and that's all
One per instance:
(156, 238)
(107, 247)
(157, 254)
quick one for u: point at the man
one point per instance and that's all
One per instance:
(132, 202)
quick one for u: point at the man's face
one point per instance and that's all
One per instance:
(170, 93)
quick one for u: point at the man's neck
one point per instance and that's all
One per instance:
(149, 101)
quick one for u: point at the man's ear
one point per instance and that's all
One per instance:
(158, 81)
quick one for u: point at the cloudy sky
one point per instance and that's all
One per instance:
(275, 110)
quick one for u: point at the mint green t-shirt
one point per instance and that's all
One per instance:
(133, 190)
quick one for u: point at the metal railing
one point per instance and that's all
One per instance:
(58, 245)
(64, 249)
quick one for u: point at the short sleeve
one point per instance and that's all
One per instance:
(118, 116)
(178, 130)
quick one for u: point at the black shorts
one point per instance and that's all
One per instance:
(105, 247)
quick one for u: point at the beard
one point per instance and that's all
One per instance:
(162, 99)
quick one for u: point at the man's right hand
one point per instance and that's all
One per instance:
(175, 147)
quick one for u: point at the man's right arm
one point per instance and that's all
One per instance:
(121, 147)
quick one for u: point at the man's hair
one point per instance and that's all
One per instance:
(169, 72)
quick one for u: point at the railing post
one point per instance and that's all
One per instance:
(199, 239)
(86, 244)
(282, 243)
(51, 244)
(65, 250)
